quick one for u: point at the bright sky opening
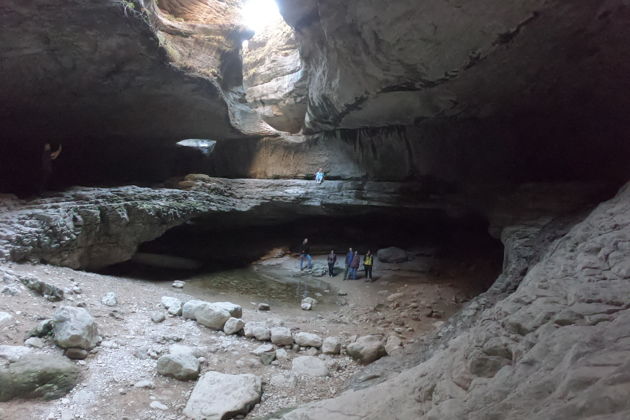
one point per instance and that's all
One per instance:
(257, 14)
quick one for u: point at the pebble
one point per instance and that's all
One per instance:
(178, 284)
(264, 307)
(158, 405)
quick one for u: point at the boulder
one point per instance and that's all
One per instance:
(10, 354)
(219, 396)
(305, 339)
(263, 348)
(331, 345)
(392, 255)
(34, 375)
(233, 326)
(281, 336)
(257, 330)
(109, 299)
(74, 327)
(309, 366)
(235, 310)
(173, 305)
(212, 316)
(182, 366)
(367, 349)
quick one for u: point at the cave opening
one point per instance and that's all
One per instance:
(256, 15)
(259, 260)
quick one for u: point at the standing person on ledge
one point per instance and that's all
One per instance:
(368, 262)
(354, 265)
(305, 254)
(319, 176)
(349, 256)
(332, 259)
(47, 167)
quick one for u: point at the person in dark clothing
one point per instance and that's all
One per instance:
(349, 256)
(368, 262)
(305, 254)
(354, 265)
(332, 259)
(47, 167)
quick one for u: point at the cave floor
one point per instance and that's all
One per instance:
(406, 300)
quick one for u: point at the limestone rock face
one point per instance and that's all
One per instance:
(219, 396)
(37, 375)
(275, 84)
(74, 327)
(393, 63)
(525, 354)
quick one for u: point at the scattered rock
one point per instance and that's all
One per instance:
(309, 366)
(306, 306)
(173, 305)
(219, 396)
(109, 299)
(35, 342)
(257, 330)
(263, 348)
(233, 326)
(48, 291)
(212, 315)
(281, 354)
(268, 357)
(47, 376)
(178, 284)
(144, 383)
(307, 339)
(74, 327)
(75, 353)
(392, 255)
(158, 317)
(158, 406)
(182, 366)
(43, 329)
(264, 307)
(281, 336)
(367, 349)
(5, 318)
(331, 345)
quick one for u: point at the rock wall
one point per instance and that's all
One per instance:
(453, 153)
(393, 63)
(274, 81)
(555, 348)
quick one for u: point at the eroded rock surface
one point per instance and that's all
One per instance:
(560, 334)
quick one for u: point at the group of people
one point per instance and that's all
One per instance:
(352, 260)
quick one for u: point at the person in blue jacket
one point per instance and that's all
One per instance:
(349, 257)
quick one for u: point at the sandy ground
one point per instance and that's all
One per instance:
(406, 300)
